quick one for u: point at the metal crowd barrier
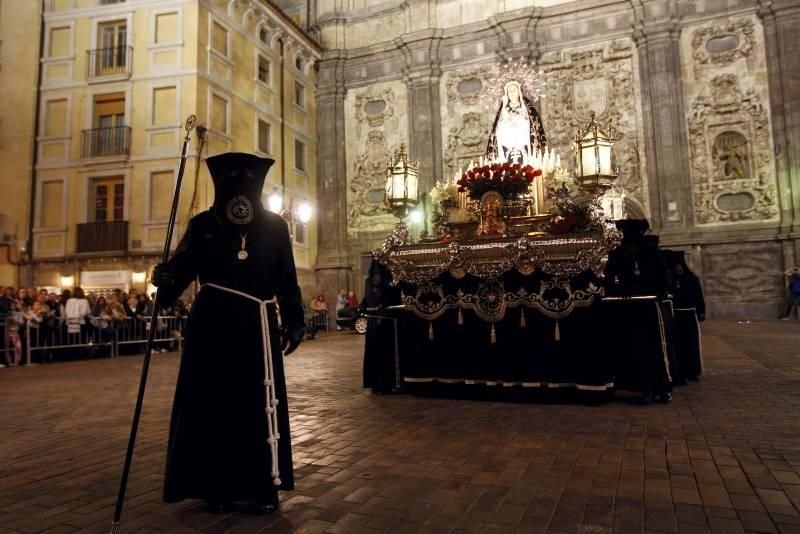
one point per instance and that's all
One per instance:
(317, 319)
(98, 334)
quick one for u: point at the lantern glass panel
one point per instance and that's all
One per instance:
(588, 160)
(412, 187)
(604, 151)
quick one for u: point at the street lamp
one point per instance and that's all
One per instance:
(304, 212)
(275, 201)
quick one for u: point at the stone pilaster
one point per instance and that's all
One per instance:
(333, 268)
(781, 20)
(665, 133)
(422, 75)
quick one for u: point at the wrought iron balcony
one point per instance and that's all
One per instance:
(113, 61)
(106, 142)
(103, 236)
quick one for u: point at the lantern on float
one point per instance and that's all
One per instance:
(594, 170)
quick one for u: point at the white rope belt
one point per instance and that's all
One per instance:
(269, 377)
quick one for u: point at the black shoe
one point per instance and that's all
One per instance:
(262, 508)
(219, 507)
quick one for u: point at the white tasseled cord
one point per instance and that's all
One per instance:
(269, 379)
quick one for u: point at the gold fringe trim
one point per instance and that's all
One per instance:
(557, 332)
(522, 319)
(493, 335)
(460, 317)
(430, 330)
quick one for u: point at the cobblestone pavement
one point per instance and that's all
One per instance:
(723, 457)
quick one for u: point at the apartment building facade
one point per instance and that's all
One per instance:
(119, 77)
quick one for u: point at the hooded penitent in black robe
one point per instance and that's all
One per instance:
(636, 274)
(379, 347)
(690, 309)
(223, 430)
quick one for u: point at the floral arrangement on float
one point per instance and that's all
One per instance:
(569, 213)
(511, 180)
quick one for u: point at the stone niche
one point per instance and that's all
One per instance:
(730, 140)
(376, 124)
(603, 78)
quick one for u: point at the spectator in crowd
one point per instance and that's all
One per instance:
(24, 297)
(130, 302)
(6, 300)
(117, 310)
(352, 301)
(12, 340)
(341, 303)
(319, 309)
(92, 298)
(76, 310)
(101, 309)
(793, 293)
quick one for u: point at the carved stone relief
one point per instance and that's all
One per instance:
(730, 140)
(466, 120)
(723, 44)
(376, 125)
(751, 273)
(374, 108)
(603, 79)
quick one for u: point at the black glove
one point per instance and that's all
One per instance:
(291, 339)
(163, 275)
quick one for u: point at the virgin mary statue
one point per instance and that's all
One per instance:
(517, 130)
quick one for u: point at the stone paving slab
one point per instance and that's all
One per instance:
(722, 458)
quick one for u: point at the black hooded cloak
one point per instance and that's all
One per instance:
(379, 347)
(637, 275)
(219, 440)
(690, 309)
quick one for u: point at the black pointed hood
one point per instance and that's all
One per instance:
(237, 174)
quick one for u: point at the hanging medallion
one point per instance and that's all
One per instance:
(239, 210)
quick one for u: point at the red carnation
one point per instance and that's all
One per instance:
(537, 172)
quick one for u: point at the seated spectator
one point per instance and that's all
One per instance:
(352, 301)
(319, 309)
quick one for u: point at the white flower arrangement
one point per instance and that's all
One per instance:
(563, 179)
(442, 193)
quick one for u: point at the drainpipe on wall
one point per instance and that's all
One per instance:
(35, 162)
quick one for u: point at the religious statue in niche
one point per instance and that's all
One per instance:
(730, 153)
(517, 130)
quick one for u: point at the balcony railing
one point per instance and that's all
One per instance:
(106, 142)
(114, 61)
(66, 5)
(103, 236)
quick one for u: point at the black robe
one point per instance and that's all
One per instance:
(218, 446)
(690, 309)
(636, 268)
(379, 347)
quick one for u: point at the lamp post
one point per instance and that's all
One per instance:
(402, 178)
(293, 215)
(593, 158)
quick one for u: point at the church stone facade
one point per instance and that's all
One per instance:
(703, 94)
